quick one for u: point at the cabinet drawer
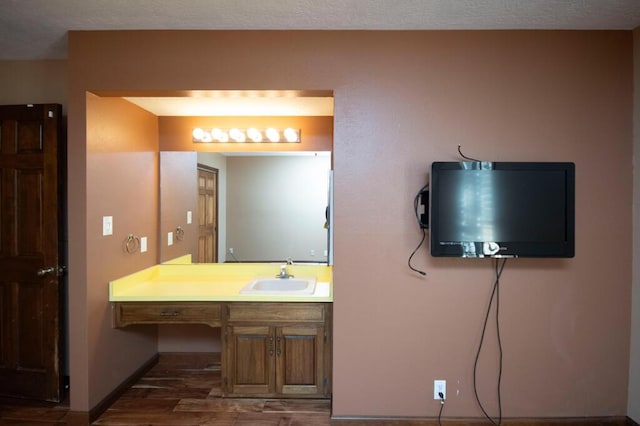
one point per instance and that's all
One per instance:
(127, 313)
(277, 312)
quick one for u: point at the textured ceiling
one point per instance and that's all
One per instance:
(36, 29)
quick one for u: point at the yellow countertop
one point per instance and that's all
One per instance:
(220, 282)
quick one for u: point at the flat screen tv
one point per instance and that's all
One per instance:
(502, 209)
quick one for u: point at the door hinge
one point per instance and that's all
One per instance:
(324, 385)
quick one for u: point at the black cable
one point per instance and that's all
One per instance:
(441, 407)
(495, 293)
(464, 156)
(424, 235)
(416, 203)
(498, 270)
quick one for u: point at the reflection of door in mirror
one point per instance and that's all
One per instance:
(207, 214)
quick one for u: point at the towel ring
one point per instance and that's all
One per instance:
(131, 244)
(179, 233)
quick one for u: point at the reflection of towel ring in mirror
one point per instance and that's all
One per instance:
(179, 233)
(131, 244)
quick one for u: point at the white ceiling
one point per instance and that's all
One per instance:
(36, 29)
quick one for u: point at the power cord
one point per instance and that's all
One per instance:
(423, 226)
(423, 273)
(233, 256)
(441, 395)
(495, 294)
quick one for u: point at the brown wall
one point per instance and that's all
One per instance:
(403, 100)
(178, 194)
(122, 181)
(34, 82)
(633, 410)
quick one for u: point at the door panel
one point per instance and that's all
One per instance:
(300, 348)
(251, 360)
(29, 207)
(29, 243)
(207, 214)
(300, 352)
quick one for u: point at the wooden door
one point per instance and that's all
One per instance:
(207, 214)
(30, 220)
(250, 361)
(300, 363)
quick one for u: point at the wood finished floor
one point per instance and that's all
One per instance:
(184, 390)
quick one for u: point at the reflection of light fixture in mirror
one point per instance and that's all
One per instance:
(252, 134)
(273, 135)
(237, 135)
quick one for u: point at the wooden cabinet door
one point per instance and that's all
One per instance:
(300, 360)
(277, 350)
(250, 357)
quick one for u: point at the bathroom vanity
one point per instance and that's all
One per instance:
(273, 345)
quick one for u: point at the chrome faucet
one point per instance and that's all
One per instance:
(283, 273)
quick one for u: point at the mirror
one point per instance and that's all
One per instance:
(277, 216)
(271, 206)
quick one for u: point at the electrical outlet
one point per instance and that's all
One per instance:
(439, 386)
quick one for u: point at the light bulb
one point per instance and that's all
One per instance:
(291, 135)
(237, 135)
(273, 135)
(254, 134)
(198, 133)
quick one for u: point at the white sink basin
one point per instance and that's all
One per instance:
(280, 286)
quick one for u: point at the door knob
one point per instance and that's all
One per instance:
(45, 271)
(59, 271)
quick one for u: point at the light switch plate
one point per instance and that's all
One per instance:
(170, 239)
(107, 225)
(189, 217)
(143, 244)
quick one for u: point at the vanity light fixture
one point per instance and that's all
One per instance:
(252, 134)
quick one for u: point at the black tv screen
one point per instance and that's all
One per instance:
(502, 209)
